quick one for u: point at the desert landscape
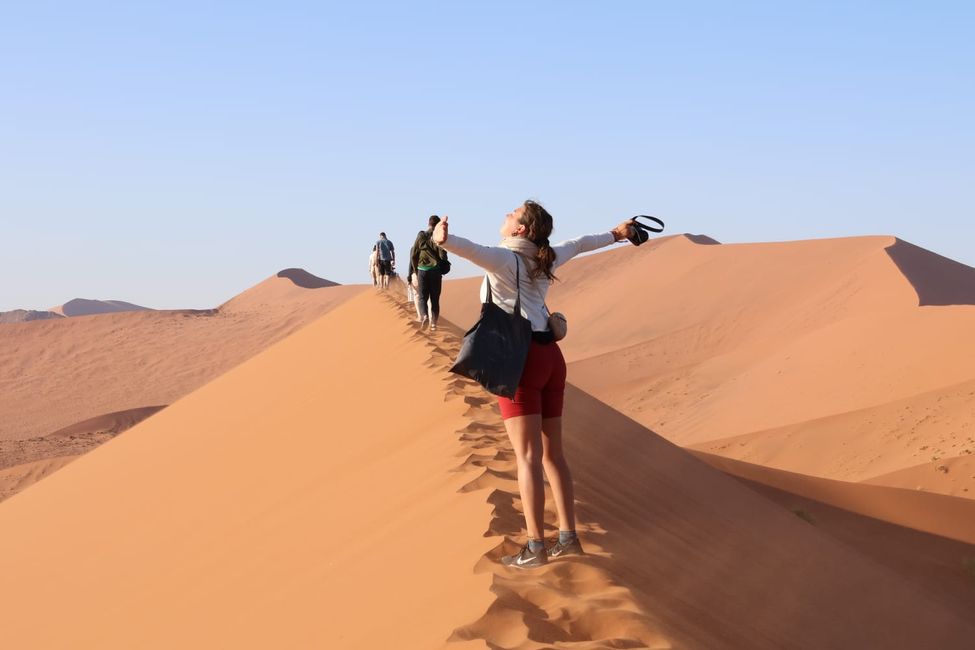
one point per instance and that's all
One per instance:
(772, 445)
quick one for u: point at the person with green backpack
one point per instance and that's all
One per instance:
(430, 264)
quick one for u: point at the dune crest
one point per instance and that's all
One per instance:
(304, 279)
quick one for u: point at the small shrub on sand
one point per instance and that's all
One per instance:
(805, 515)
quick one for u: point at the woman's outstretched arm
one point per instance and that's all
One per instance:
(495, 258)
(566, 250)
(490, 258)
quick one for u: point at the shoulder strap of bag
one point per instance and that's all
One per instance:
(518, 284)
(539, 292)
(490, 296)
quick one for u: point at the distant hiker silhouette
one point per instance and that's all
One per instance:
(387, 258)
(374, 267)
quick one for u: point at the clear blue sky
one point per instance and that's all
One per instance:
(173, 154)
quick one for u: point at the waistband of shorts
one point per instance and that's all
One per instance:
(543, 338)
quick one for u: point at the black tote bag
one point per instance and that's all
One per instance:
(494, 351)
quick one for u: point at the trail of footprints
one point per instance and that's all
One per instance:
(571, 603)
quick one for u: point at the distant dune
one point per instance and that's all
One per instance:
(24, 315)
(71, 372)
(76, 307)
(304, 279)
(84, 307)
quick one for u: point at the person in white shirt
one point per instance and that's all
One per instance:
(533, 418)
(374, 267)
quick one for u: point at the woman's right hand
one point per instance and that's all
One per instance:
(623, 231)
(440, 232)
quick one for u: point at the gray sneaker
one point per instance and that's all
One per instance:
(525, 559)
(560, 550)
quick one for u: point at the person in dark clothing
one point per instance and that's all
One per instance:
(387, 259)
(425, 260)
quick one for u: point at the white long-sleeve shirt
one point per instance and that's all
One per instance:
(499, 262)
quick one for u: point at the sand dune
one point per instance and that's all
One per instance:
(115, 362)
(24, 315)
(842, 358)
(716, 343)
(86, 307)
(758, 336)
(274, 507)
(287, 503)
(98, 372)
(289, 286)
(20, 477)
(943, 567)
(928, 433)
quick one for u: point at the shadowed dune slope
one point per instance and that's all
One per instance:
(56, 373)
(304, 279)
(943, 567)
(723, 567)
(938, 514)
(936, 279)
(110, 422)
(281, 505)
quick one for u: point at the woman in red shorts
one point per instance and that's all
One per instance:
(533, 418)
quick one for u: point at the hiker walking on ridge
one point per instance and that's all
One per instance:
(427, 260)
(533, 417)
(387, 258)
(413, 289)
(374, 267)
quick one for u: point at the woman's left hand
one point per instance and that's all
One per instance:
(440, 232)
(623, 231)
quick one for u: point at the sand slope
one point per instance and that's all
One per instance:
(725, 568)
(274, 507)
(56, 373)
(70, 385)
(926, 441)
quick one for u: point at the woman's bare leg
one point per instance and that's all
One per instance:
(525, 433)
(557, 471)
